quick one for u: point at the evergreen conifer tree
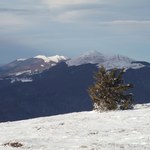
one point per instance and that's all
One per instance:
(109, 91)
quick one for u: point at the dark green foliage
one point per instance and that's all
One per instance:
(109, 91)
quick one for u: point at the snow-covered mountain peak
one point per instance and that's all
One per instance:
(55, 58)
(113, 61)
(41, 57)
(119, 61)
(31, 66)
(91, 57)
(92, 53)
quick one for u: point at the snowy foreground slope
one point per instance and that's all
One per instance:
(129, 130)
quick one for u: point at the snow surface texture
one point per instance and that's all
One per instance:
(119, 61)
(21, 80)
(22, 72)
(21, 59)
(55, 59)
(118, 130)
(109, 62)
(92, 57)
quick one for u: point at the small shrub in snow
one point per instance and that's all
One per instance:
(13, 144)
(109, 91)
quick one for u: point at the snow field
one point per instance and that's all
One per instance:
(125, 130)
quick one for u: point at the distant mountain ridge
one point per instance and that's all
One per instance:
(114, 61)
(33, 65)
(40, 63)
(62, 87)
(91, 57)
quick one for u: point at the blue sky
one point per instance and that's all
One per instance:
(66, 27)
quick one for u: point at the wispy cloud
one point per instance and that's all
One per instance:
(95, 11)
(71, 11)
(126, 22)
(62, 3)
(12, 10)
